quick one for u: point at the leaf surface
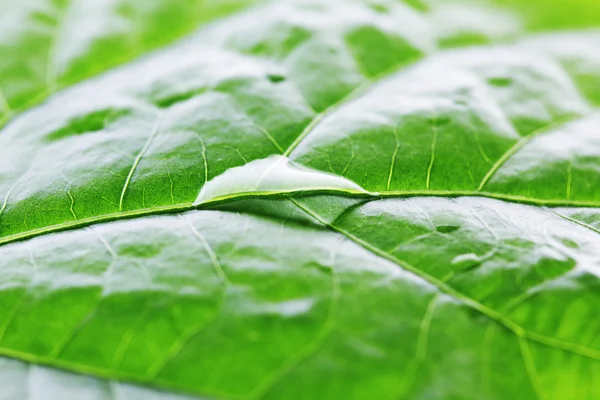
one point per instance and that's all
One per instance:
(307, 199)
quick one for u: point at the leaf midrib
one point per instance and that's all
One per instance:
(274, 195)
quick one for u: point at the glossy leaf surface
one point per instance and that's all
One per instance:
(306, 199)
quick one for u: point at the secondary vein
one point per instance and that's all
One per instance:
(138, 158)
(512, 326)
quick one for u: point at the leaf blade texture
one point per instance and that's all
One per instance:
(299, 199)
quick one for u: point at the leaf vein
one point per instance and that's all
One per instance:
(138, 158)
(551, 342)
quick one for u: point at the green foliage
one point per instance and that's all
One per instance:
(341, 199)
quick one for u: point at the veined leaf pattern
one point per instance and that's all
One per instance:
(305, 199)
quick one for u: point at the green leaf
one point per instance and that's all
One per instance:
(47, 45)
(305, 199)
